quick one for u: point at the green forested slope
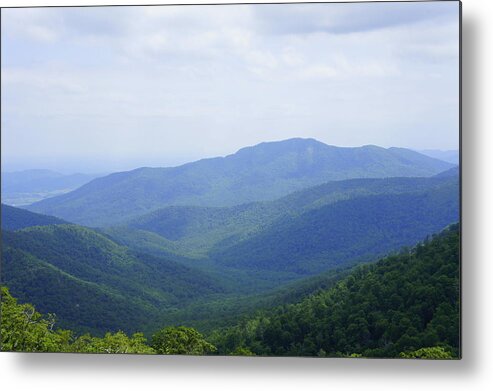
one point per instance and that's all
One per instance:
(403, 303)
(207, 315)
(203, 232)
(263, 172)
(358, 229)
(194, 230)
(92, 283)
(24, 329)
(16, 218)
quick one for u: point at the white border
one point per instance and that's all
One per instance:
(474, 372)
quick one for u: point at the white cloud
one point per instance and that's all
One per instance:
(318, 72)
(43, 81)
(32, 24)
(144, 81)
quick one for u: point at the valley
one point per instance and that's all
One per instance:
(220, 242)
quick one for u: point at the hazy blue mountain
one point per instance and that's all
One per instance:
(28, 186)
(92, 283)
(16, 218)
(450, 156)
(263, 172)
(353, 230)
(195, 231)
(451, 172)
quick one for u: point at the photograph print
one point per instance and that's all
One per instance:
(236, 180)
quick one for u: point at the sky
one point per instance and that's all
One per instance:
(114, 88)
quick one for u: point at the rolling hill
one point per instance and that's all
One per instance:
(450, 156)
(94, 284)
(263, 172)
(195, 231)
(354, 230)
(401, 304)
(16, 218)
(451, 172)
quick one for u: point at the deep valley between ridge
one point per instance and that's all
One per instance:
(262, 230)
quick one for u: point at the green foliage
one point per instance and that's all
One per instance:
(181, 340)
(23, 329)
(118, 342)
(402, 303)
(93, 284)
(398, 307)
(208, 315)
(264, 172)
(241, 351)
(214, 267)
(196, 231)
(359, 229)
(433, 353)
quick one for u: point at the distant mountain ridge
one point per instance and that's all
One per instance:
(262, 172)
(452, 172)
(450, 156)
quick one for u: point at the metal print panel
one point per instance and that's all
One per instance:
(256, 180)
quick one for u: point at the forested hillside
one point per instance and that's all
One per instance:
(204, 266)
(259, 250)
(16, 218)
(307, 232)
(263, 172)
(404, 303)
(92, 283)
(23, 329)
(195, 231)
(347, 231)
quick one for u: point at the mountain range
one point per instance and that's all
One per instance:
(403, 303)
(263, 172)
(450, 156)
(16, 218)
(210, 241)
(91, 282)
(305, 232)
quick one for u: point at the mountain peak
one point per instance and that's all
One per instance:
(282, 145)
(261, 172)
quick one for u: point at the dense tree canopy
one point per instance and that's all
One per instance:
(92, 283)
(403, 303)
(181, 340)
(433, 353)
(23, 329)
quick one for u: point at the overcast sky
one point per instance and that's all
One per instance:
(114, 88)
